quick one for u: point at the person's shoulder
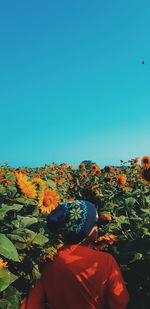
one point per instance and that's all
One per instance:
(105, 260)
(103, 254)
(98, 253)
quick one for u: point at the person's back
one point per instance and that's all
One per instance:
(80, 277)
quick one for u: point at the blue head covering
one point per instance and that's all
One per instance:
(74, 220)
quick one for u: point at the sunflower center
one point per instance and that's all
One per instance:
(146, 161)
(146, 174)
(47, 201)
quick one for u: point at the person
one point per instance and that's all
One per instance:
(79, 276)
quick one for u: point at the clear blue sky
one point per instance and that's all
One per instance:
(72, 85)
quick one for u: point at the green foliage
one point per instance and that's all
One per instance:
(7, 249)
(6, 279)
(10, 299)
(25, 242)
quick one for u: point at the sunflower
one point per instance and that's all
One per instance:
(94, 167)
(26, 186)
(63, 166)
(97, 172)
(70, 199)
(72, 167)
(48, 201)
(110, 238)
(116, 169)
(94, 187)
(70, 177)
(2, 174)
(9, 182)
(47, 170)
(53, 167)
(145, 161)
(121, 180)
(42, 184)
(136, 160)
(108, 169)
(59, 181)
(2, 264)
(127, 189)
(61, 173)
(37, 175)
(105, 217)
(136, 165)
(3, 181)
(145, 174)
(24, 172)
(72, 186)
(108, 180)
(81, 166)
(83, 176)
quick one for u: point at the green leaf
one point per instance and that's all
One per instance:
(2, 190)
(6, 278)
(146, 231)
(51, 184)
(130, 201)
(145, 210)
(30, 202)
(147, 199)
(24, 221)
(5, 304)
(15, 237)
(5, 208)
(11, 299)
(7, 249)
(10, 177)
(18, 241)
(31, 236)
(40, 240)
(122, 219)
(26, 234)
(137, 256)
(78, 182)
(21, 200)
(35, 212)
(12, 189)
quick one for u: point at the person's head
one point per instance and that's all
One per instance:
(75, 220)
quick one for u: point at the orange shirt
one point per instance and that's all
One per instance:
(80, 278)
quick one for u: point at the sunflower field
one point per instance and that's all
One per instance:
(122, 198)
